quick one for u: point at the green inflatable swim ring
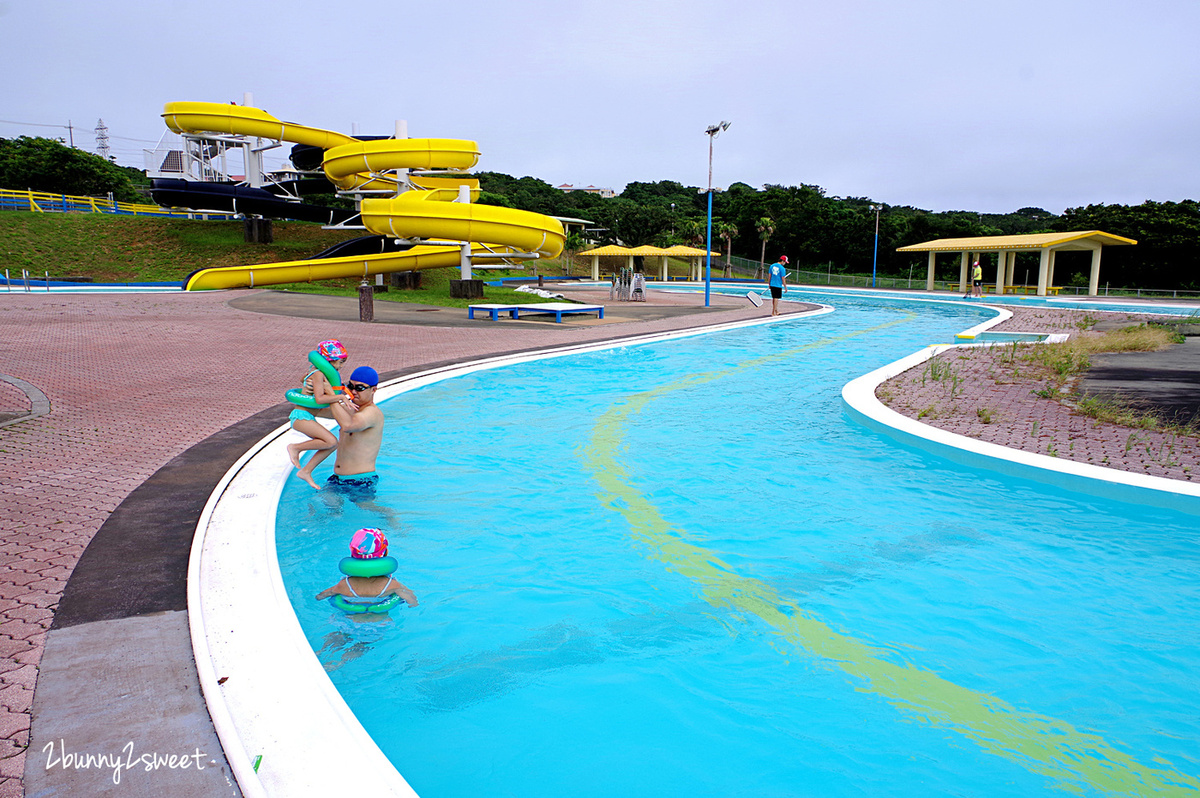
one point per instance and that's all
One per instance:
(377, 566)
(298, 397)
(382, 606)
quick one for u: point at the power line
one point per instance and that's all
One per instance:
(32, 124)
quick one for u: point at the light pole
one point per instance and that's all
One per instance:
(875, 257)
(713, 131)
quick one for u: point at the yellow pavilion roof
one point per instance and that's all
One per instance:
(1074, 240)
(647, 251)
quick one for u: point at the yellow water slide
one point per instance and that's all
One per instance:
(436, 209)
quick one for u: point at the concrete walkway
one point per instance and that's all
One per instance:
(133, 383)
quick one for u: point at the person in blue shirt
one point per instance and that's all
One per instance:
(777, 280)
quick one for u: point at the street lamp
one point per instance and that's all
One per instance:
(875, 257)
(713, 131)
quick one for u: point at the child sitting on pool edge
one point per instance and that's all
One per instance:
(368, 553)
(304, 419)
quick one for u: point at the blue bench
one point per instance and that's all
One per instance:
(515, 311)
(494, 310)
(558, 309)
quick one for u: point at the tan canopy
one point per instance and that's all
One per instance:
(677, 251)
(1006, 248)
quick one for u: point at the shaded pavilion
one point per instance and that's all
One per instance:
(1006, 249)
(629, 253)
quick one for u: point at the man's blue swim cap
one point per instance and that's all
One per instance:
(366, 375)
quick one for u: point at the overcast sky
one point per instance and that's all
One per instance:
(939, 104)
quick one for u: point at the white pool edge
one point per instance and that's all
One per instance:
(861, 404)
(266, 691)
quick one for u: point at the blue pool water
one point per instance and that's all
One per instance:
(680, 569)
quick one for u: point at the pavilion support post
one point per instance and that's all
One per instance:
(1010, 269)
(929, 273)
(963, 270)
(1094, 278)
(595, 267)
(629, 263)
(1050, 279)
(1043, 272)
(663, 271)
(1001, 271)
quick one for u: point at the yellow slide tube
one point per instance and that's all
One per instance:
(431, 210)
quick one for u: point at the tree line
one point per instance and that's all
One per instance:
(820, 232)
(815, 231)
(42, 164)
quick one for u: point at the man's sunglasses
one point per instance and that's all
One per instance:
(357, 387)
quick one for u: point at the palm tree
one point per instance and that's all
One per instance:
(694, 230)
(727, 231)
(575, 243)
(765, 227)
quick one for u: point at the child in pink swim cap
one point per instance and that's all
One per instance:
(316, 389)
(368, 591)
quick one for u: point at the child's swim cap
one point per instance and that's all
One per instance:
(332, 350)
(368, 543)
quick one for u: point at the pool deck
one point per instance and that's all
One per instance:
(146, 401)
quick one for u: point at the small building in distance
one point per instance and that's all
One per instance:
(603, 192)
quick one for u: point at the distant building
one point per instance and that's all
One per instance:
(603, 192)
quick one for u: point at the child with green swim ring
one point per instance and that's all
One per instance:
(314, 397)
(368, 591)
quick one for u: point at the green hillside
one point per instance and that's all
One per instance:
(112, 248)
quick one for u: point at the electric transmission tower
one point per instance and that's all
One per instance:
(102, 140)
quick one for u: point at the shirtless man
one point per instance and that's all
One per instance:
(359, 438)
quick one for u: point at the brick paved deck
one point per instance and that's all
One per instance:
(1017, 418)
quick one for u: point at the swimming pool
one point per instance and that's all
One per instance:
(35, 286)
(679, 567)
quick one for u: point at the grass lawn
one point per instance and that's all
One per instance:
(109, 248)
(434, 290)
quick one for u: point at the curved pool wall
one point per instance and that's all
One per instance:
(236, 550)
(285, 729)
(862, 405)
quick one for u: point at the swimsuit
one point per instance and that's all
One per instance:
(300, 414)
(365, 600)
(355, 487)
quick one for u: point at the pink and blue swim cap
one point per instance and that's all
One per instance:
(331, 350)
(368, 543)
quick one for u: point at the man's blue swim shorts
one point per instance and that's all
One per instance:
(355, 487)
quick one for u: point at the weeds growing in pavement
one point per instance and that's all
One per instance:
(1116, 410)
(984, 414)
